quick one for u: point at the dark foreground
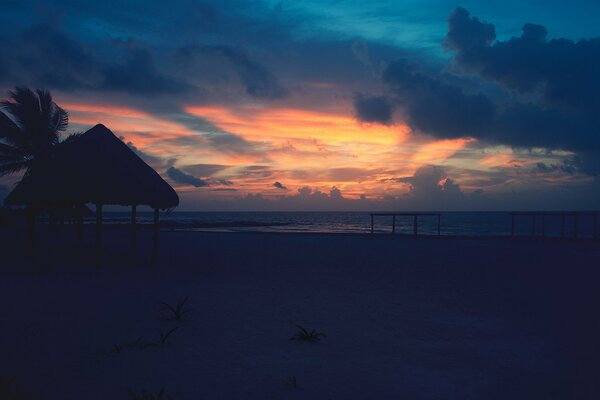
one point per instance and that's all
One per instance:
(406, 318)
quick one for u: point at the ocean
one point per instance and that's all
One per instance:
(451, 223)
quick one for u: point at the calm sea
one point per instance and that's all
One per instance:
(452, 223)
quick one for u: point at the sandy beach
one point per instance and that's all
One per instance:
(422, 318)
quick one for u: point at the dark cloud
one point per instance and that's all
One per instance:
(258, 81)
(279, 185)
(373, 108)
(204, 170)
(181, 177)
(430, 182)
(46, 56)
(557, 82)
(256, 171)
(563, 72)
(140, 75)
(432, 106)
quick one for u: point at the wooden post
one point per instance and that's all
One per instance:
(133, 227)
(98, 227)
(543, 225)
(30, 236)
(155, 236)
(415, 224)
(371, 225)
(533, 225)
(80, 229)
(439, 231)
(512, 225)
(595, 226)
(393, 224)
(562, 225)
(576, 228)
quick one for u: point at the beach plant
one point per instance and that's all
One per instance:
(164, 336)
(304, 335)
(138, 344)
(143, 395)
(291, 382)
(177, 312)
(117, 348)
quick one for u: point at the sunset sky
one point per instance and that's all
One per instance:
(341, 105)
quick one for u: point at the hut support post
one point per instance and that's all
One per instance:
(393, 225)
(371, 225)
(80, 230)
(533, 225)
(512, 224)
(133, 227)
(439, 230)
(30, 236)
(595, 226)
(155, 236)
(576, 227)
(415, 225)
(98, 227)
(543, 225)
(562, 225)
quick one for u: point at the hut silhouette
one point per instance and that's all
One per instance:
(98, 168)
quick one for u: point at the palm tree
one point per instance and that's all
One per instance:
(30, 127)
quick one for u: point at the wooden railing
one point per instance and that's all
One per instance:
(415, 216)
(562, 214)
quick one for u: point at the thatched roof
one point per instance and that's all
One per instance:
(97, 167)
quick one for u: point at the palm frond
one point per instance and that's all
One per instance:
(13, 167)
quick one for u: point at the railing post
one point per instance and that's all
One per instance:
(512, 224)
(133, 227)
(155, 236)
(30, 235)
(98, 227)
(543, 225)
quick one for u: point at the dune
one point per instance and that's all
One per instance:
(414, 318)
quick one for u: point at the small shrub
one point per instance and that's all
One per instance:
(164, 336)
(176, 312)
(307, 336)
(117, 348)
(291, 382)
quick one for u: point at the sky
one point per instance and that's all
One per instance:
(340, 105)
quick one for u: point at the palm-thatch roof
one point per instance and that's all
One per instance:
(96, 167)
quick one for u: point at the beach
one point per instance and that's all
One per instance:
(404, 317)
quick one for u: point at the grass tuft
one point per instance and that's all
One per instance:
(177, 312)
(304, 335)
(165, 336)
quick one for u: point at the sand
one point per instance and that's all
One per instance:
(405, 318)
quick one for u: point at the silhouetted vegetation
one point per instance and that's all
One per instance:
(305, 335)
(30, 127)
(165, 336)
(176, 312)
